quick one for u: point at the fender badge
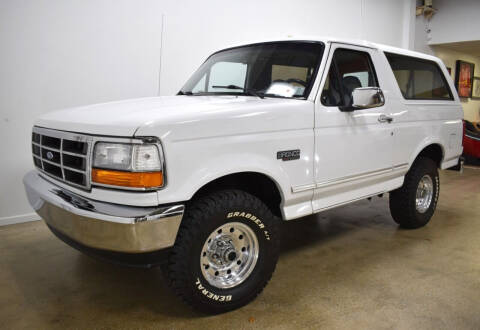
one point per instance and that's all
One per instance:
(288, 154)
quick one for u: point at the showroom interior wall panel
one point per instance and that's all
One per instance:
(57, 54)
(471, 107)
(192, 33)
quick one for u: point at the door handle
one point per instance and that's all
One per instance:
(385, 119)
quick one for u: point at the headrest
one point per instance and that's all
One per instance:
(351, 82)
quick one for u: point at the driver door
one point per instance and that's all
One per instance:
(353, 150)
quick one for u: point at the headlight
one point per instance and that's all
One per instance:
(127, 165)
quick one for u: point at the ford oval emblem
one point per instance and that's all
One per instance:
(49, 155)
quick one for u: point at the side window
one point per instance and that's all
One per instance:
(226, 73)
(419, 79)
(350, 69)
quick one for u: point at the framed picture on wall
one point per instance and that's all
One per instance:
(464, 78)
(476, 88)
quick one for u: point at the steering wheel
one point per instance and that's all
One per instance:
(298, 81)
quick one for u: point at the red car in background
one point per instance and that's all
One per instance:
(471, 139)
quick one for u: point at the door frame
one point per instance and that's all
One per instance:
(337, 190)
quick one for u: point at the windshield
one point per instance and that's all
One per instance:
(276, 69)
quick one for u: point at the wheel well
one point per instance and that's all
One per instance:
(257, 184)
(434, 152)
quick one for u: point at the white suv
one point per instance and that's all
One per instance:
(260, 133)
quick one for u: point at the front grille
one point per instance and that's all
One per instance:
(62, 155)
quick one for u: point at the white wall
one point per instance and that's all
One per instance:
(422, 36)
(454, 21)
(62, 53)
(194, 30)
(56, 54)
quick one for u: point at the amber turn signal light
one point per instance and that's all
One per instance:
(128, 179)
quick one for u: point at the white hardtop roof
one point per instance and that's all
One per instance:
(354, 42)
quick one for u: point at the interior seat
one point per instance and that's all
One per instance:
(349, 84)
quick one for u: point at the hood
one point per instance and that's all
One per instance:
(124, 118)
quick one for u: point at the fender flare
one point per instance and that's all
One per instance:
(424, 145)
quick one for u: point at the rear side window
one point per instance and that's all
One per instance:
(419, 79)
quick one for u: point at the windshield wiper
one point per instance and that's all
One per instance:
(185, 93)
(245, 90)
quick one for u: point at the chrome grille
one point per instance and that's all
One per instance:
(63, 155)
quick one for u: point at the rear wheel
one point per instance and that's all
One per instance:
(225, 252)
(413, 204)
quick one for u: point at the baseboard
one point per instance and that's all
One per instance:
(19, 219)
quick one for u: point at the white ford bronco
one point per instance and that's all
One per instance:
(260, 133)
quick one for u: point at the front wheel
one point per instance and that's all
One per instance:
(413, 204)
(225, 252)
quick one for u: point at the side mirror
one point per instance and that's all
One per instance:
(366, 98)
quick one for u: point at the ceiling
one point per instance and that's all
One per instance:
(468, 47)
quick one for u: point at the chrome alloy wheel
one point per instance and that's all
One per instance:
(424, 194)
(229, 255)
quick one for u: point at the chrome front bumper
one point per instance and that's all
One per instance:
(101, 225)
